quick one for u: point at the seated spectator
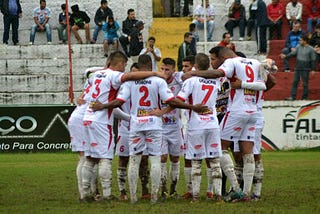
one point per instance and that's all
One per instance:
(153, 52)
(252, 18)
(128, 26)
(136, 41)
(275, 11)
(193, 45)
(237, 17)
(315, 41)
(184, 49)
(110, 29)
(226, 42)
(41, 16)
(79, 20)
(62, 27)
(313, 8)
(199, 19)
(100, 17)
(293, 12)
(292, 40)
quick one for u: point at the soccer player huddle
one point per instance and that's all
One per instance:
(148, 105)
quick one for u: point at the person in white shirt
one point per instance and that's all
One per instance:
(293, 12)
(204, 14)
(153, 52)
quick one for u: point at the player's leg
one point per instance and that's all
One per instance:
(238, 167)
(81, 161)
(259, 170)
(187, 178)
(144, 175)
(164, 157)
(87, 174)
(105, 174)
(209, 172)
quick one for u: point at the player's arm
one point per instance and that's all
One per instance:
(257, 86)
(160, 112)
(208, 74)
(177, 103)
(141, 75)
(118, 113)
(96, 106)
(271, 81)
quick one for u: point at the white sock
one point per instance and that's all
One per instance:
(187, 177)
(87, 170)
(164, 177)
(122, 178)
(196, 177)
(155, 174)
(216, 175)
(105, 173)
(174, 176)
(94, 180)
(227, 167)
(133, 175)
(209, 179)
(81, 161)
(258, 177)
(248, 172)
(238, 170)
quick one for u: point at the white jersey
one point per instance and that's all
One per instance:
(104, 89)
(123, 125)
(200, 10)
(205, 91)
(172, 120)
(145, 95)
(242, 100)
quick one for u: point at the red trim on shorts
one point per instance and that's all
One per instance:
(109, 127)
(224, 121)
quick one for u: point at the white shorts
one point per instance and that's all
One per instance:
(238, 127)
(172, 142)
(203, 144)
(101, 143)
(122, 147)
(77, 134)
(148, 142)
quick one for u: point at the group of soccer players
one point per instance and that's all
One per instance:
(148, 105)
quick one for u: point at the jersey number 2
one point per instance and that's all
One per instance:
(143, 101)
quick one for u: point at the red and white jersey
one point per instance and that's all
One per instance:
(242, 100)
(145, 95)
(123, 125)
(104, 89)
(205, 91)
(172, 120)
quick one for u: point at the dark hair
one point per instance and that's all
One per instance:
(151, 38)
(216, 50)
(169, 61)
(305, 38)
(110, 26)
(224, 35)
(63, 6)
(42, 1)
(190, 59)
(103, 1)
(130, 10)
(187, 34)
(296, 22)
(203, 61)
(75, 8)
(145, 62)
(238, 53)
(134, 65)
(192, 26)
(116, 57)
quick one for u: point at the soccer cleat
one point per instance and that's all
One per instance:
(218, 199)
(195, 200)
(87, 199)
(242, 199)
(232, 195)
(146, 196)
(123, 197)
(255, 197)
(209, 195)
(187, 195)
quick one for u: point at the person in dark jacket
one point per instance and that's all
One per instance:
(251, 24)
(262, 24)
(101, 16)
(79, 20)
(136, 41)
(127, 26)
(11, 14)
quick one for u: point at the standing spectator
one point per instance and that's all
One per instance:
(305, 64)
(184, 49)
(293, 12)
(315, 41)
(101, 16)
(252, 18)
(226, 42)
(41, 16)
(262, 23)
(313, 8)
(127, 26)
(11, 11)
(204, 14)
(136, 41)
(110, 29)
(237, 17)
(275, 12)
(193, 45)
(62, 27)
(292, 40)
(153, 52)
(79, 20)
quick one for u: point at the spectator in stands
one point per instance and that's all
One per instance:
(62, 26)
(262, 24)
(79, 20)
(41, 16)
(101, 16)
(127, 26)
(153, 52)
(315, 41)
(11, 11)
(184, 49)
(193, 45)
(237, 17)
(305, 64)
(136, 41)
(204, 14)
(313, 8)
(226, 42)
(275, 11)
(251, 23)
(110, 28)
(292, 40)
(293, 12)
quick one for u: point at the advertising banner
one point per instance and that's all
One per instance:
(34, 128)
